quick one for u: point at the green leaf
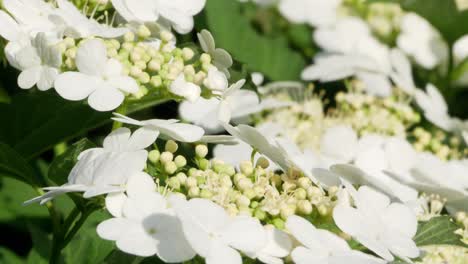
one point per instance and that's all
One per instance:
(13, 165)
(442, 14)
(8, 256)
(4, 97)
(87, 247)
(63, 164)
(35, 122)
(438, 231)
(234, 32)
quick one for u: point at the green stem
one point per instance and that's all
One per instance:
(121, 110)
(55, 254)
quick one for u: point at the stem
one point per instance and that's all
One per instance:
(121, 110)
(55, 254)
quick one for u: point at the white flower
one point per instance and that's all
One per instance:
(351, 50)
(17, 38)
(32, 15)
(385, 228)
(338, 144)
(188, 90)
(77, 25)
(278, 246)
(105, 170)
(434, 107)
(215, 236)
(221, 58)
(434, 176)
(235, 154)
(147, 226)
(402, 74)
(100, 79)
(261, 143)
(420, 40)
(317, 13)
(39, 63)
(216, 80)
(323, 247)
(167, 128)
(176, 13)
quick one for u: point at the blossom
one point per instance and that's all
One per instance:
(316, 13)
(351, 50)
(176, 13)
(321, 246)
(105, 170)
(99, 78)
(17, 38)
(33, 16)
(420, 40)
(338, 144)
(77, 25)
(39, 63)
(434, 107)
(278, 246)
(216, 80)
(168, 128)
(221, 58)
(147, 226)
(385, 228)
(402, 74)
(214, 235)
(188, 90)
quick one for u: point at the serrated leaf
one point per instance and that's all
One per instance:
(438, 231)
(63, 164)
(234, 32)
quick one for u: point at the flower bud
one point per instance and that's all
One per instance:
(174, 183)
(171, 146)
(170, 167)
(166, 36)
(191, 182)
(260, 214)
(287, 211)
(166, 157)
(314, 192)
(180, 161)
(300, 194)
(201, 151)
(304, 182)
(129, 37)
(182, 177)
(249, 193)
(323, 210)
(242, 201)
(246, 167)
(143, 32)
(244, 183)
(154, 155)
(304, 207)
(194, 192)
(187, 54)
(206, 194)
(262, 162)
(278, 223)
(205, 58)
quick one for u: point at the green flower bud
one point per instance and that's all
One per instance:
(171, 146)
(166, 36)
(180, 161)
(143, 32)
(187, 54)
(260, 214)
(205, 58)
(194, 192)
(182, 177)
(144, 78)
(304, 207)
(203, 164)
(304, 182)
(300, 194)
(323, 210)
(174, 183)
(191, 182)
(156, 81)
(278, 223)
(263, 162)
(246, 167)
(154, 155)
(201, 151)
(129, 37)
(166, 157)
(170, 167)
(242, 201)
(249, 193)
(206, 194)
(287, 211)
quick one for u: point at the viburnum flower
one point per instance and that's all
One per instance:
(434, 107)
(33, 16)
(188, 90)
(175, 13)
(147, 226)
(317, 13)
(107, 169)
(383, 227)
(99, 78)
(76, 25)
(221, 58)
(216, 81)
(279, 244)
(426, 177)
(402, 74)
(214, 235)
(421, 41)
(323, 247)
(167, 128)
(338, 144)
(39, 63)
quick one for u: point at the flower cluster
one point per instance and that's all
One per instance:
(58, 46)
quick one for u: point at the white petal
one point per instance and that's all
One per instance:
(181, 132)
(47, 78)
(370, 198)
(91, 57)
(140, 182)
(302, 255)
(144, 10)
(27, 57)
(375, 83)
(202, 112)
(106, 98)
(29, 77)
(117, 140)
(115, 203)
(400, 219)
(9, 29)
(245, 234)
(142, 138)
(206, 41)
(378, 247)
(224, 112)
(136, 241)
(348, 219)
(112, 229)
(125, 84)
(303, 231)
(220, 253)
(75, 86)
(339, 142)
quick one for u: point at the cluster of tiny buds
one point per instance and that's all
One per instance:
(252, 190)
(445, 146)
(154, 64)
(435, 205)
